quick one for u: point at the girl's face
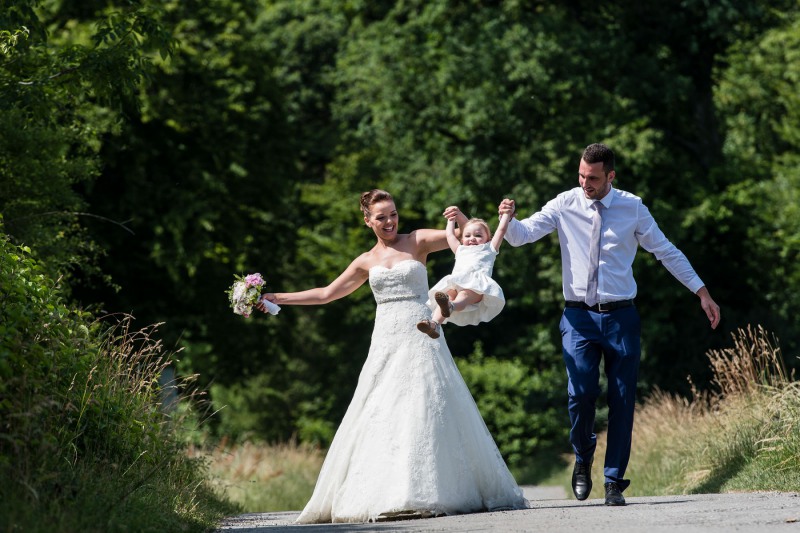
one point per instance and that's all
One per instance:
(474, 234)
(383, 219)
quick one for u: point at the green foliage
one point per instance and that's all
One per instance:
(756, 215)
(253, 406)
(38, 194)
(149, 150)
(524, 409)
(82, 430)
(442, 104)
(197, 175)
(63, 78)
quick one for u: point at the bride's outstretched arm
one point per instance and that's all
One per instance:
(348, 281)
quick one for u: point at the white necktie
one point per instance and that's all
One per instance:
(594, 254)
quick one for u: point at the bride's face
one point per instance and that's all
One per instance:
(383, 219)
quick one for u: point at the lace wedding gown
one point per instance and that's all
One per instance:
(412, 438)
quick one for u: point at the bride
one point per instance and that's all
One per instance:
(412, 442)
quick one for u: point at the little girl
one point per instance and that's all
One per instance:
(468, 295)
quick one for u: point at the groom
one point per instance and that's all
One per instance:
(599, 229)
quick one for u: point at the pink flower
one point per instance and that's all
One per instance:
(254, 280)
(245, 294)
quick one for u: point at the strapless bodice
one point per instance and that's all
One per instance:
(406, 280)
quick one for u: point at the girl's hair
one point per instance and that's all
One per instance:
(370, 198)
(479, 222)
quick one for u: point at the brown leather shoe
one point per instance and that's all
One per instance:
(445, 305)
(429, 327)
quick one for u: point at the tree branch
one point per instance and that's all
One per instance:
(120, 224)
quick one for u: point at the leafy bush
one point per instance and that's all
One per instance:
(524, 410)
(253, 407)
(84, 442)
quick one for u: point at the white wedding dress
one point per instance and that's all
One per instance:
(412, 438)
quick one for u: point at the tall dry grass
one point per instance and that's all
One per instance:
(753, 363)
(263, 477)
(741, 434)
(99, 451)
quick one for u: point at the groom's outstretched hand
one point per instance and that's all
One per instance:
(709, 306)
(507, 207)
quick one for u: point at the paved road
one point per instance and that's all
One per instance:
(551, 512)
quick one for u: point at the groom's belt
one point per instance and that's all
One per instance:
(600, 308)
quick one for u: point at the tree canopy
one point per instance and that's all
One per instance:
(152, 150)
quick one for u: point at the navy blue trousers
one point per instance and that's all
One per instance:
(615, 338)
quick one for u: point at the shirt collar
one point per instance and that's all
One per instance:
(608, 198)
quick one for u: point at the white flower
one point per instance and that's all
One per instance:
(245, 293)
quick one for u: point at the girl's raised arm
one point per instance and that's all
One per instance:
(500, 232)
(452, 239)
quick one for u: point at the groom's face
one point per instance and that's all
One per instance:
(594, 182)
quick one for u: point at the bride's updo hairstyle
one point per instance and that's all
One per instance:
(370, 198)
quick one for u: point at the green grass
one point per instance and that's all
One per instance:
(544, 468)
(99, 498)
(85, 443)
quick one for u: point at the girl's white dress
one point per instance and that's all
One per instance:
(412, 438)
(473, 271)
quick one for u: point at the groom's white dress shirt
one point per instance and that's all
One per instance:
(627, 224)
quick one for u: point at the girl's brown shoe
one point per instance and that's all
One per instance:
(445, 305)
(429, 327)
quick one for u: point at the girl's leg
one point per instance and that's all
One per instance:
(438, 316)
(465, 298)
(432, 327)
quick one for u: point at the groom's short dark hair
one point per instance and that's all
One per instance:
(599, 153)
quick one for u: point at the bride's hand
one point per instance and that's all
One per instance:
(269, 296)
(452, 212)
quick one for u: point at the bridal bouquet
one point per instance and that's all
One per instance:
(245, 293)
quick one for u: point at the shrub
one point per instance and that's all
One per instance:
(522, 409)
(84, 442)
